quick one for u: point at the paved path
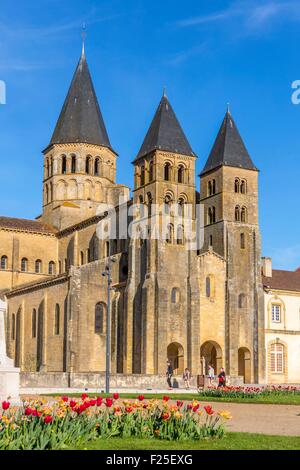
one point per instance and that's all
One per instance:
(255, 418)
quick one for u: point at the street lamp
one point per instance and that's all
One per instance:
(107, 273)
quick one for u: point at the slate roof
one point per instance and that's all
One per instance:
(25, 224)
(165, 133)
(229, 148)
(283, 280)
(80, 119)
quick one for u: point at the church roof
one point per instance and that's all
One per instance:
(80, 120)
(229, 148)
(25, 225)
(165, 133)
(283, 280)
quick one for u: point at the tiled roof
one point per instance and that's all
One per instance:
(283, 280)
(229, 148)
(25, 224)
(165, 133)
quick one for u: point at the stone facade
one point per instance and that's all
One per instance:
(167, 301)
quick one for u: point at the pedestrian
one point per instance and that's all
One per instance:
(169, 374)
(222, 378)
(211, 373)
(186, 377)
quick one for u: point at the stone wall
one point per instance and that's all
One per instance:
(117, 381)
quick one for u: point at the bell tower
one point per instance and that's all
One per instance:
(229, 194)
(79, 162)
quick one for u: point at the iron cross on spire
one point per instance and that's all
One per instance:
(83, 35)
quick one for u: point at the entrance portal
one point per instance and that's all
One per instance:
(245, 364)
(212, 354)
(176, 357)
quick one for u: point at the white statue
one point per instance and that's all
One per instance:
(9, 375)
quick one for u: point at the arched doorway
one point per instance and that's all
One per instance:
(245, 364)
(176, 357)
(211, 353)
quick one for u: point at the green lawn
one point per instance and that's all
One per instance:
(288, 399)
(231, 441)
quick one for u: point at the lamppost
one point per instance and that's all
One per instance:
(107, 273)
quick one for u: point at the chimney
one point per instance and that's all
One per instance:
(267, 267)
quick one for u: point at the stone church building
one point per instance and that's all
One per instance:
(167, 301)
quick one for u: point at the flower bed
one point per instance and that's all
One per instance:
(64, 422)
(250, 392)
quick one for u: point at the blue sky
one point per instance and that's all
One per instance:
(206, 54)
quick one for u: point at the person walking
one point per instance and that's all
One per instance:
(211, 373)
(186, 377)
(169, 374)
(222, 378)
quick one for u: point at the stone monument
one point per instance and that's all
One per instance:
(9, 375)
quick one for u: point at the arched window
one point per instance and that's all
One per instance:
(244, 214)
(97, 167)
(237, 214)
(175, 295)
(47, 168)
(24, 265)
(142, 175)
(64, 165)
(33, 323)
(51, 192)
(243, 186)
(236, 185)
(211, 215)
(242, 301)
(210, 286)
(88, 255)
(213, 186)
(180, 235)
(207, 286)
(211, 241)
(81, 258)
(47, 194)
(51, 166)
(209, 188)
(170, 233)
(180, 175)
(13, 326)
(168, 202)
(107, 249)
(167, 171)
(59, 267)
(277, 358)
(38, 266)
(3, 265)
(151, 171)
(150, 200)
(57, 320)
(51, 268)
(242, 241)
(73, 164)
(100, 311)
(87, 165)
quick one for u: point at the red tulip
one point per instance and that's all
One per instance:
(99, 401)
(165, 398)
(5, 405)
(166, 416)
(65, 399)
(48, 419)
(28, 411)
(109, 402)
(84, 396)
(116, 396)
(196, 407)
(179, 403)
(209, 410)
(141, 397)
(72, 403)
(93, 402)
(128, 409)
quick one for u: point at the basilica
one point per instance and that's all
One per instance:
(220, 303)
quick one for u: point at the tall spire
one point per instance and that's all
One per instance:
(165, 132)
(83, 35)
(80, 120)
(229, 148)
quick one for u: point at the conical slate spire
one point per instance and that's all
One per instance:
(80, 119)
(229, 148)
(165, 132)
